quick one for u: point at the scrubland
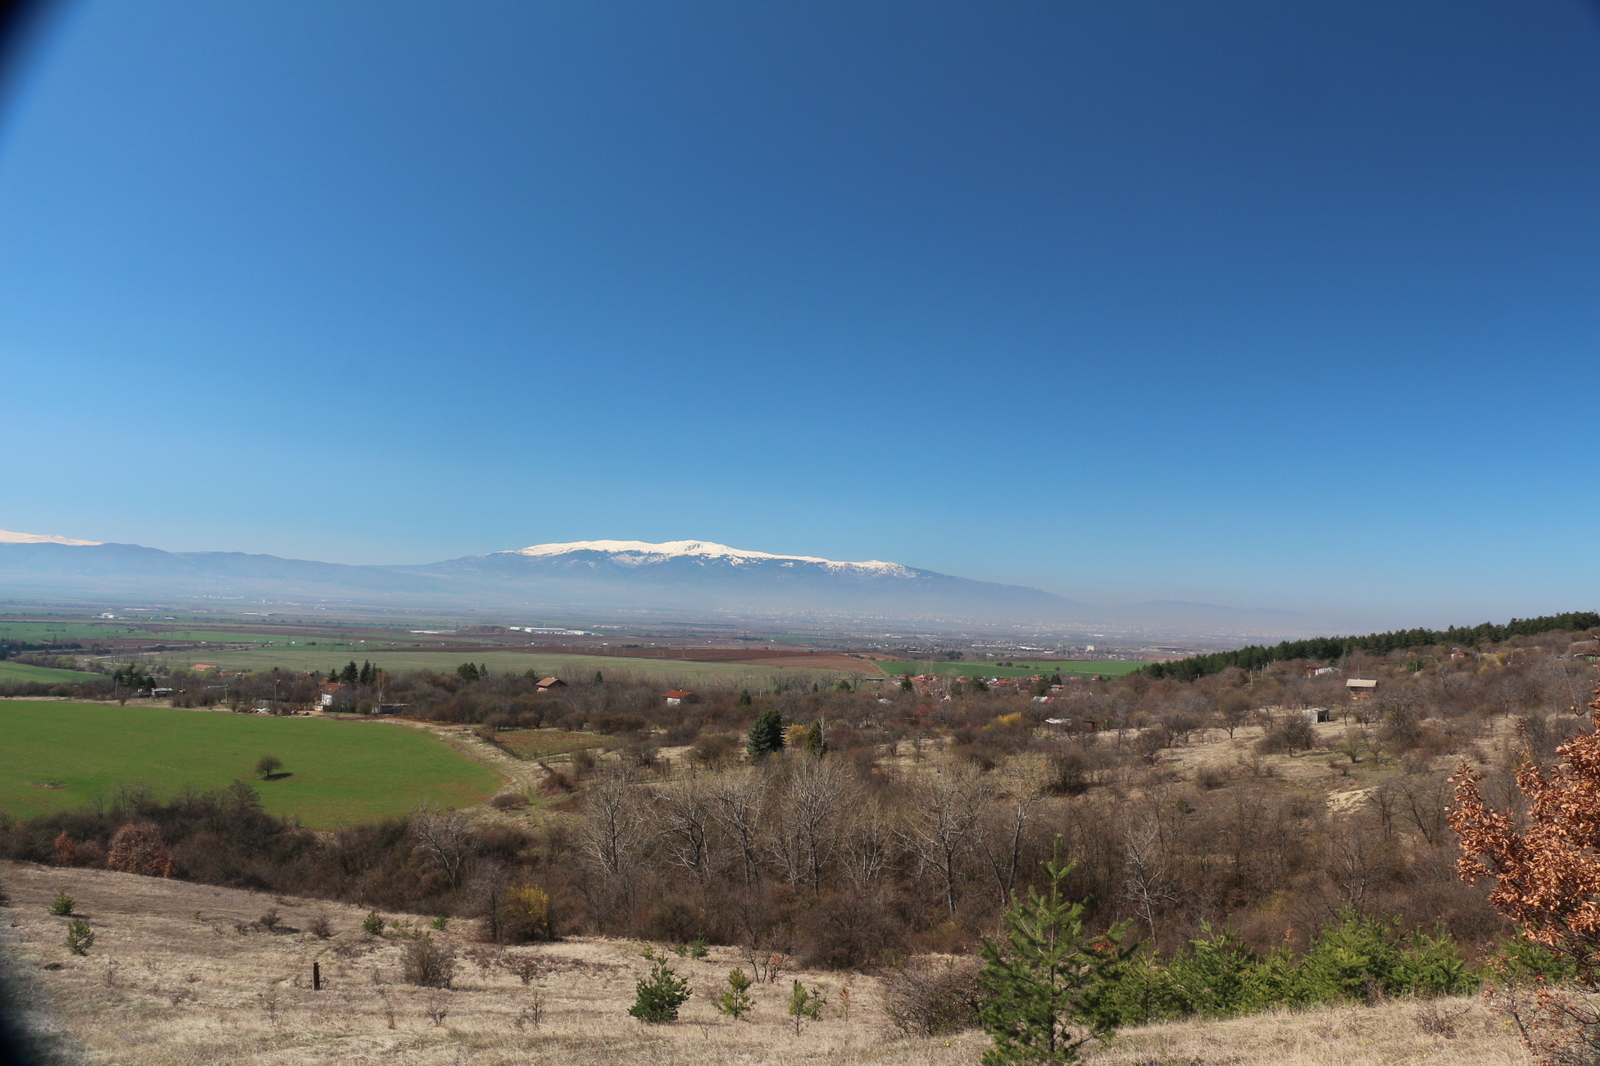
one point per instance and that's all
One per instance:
(186, 974)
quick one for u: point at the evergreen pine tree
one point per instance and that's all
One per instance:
(660, 995)
(744, 698)
(736, 1002)
(365, 677)
(1041, 980)
(766, 736)
(351, 672)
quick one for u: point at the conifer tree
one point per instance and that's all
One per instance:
(1042, 977)
(766, 736)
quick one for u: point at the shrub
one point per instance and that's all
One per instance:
(509, 801)
(522, 915)
(62, 905)
(932, 999)
(736, 1001)
(137, 848)
(268, 765)
(320, 927)
(372, 924)
(660, 995)
(428, 965)
(80, 938)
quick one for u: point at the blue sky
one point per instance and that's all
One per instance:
(1251, 303)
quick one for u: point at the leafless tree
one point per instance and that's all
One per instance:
(867, 845)
(738, 799)
(445, 837)
(614, 827)
(683, 812)
(805, 819)
(1146, 884)
(1023, 784)
(941, 821)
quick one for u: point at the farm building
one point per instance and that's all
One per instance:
(550, 684)
(681, 695)
(1361, 688)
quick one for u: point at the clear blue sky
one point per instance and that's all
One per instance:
(1264, 304)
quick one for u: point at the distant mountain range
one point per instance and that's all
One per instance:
(678, 577)
(681, 579)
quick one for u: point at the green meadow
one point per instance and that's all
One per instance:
(1018, 668)
(61, 755)
(671, 673)
(10, 671)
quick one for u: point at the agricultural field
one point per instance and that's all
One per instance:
(61, 755)
(543, 743)
(670, 673)
(1018, 667)
(22, 672)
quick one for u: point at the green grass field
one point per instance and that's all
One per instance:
(10, 671)
(1019, 668)
(60, 755)
(669, 673)
(542, 743)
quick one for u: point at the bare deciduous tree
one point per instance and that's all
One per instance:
(445, 837)
(941, 822)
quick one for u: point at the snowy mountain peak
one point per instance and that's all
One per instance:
(7, 537)
(643, 553)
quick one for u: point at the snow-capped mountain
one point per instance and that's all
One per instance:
(678, 577)
(704, 575)
(643, 553)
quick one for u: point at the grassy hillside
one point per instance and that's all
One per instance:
(183, 994)
(58, 756)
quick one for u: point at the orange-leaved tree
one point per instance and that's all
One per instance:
(1546, 867)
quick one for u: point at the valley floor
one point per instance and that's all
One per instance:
(172, 981)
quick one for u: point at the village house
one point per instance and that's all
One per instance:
(681, 695)
(1361, 688)
(550, 684)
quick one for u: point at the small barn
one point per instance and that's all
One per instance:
(681, 695)
(1361, 688)
(550, 684)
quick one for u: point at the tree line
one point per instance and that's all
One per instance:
(1330, 649)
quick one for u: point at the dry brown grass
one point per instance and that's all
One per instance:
(171, 980)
